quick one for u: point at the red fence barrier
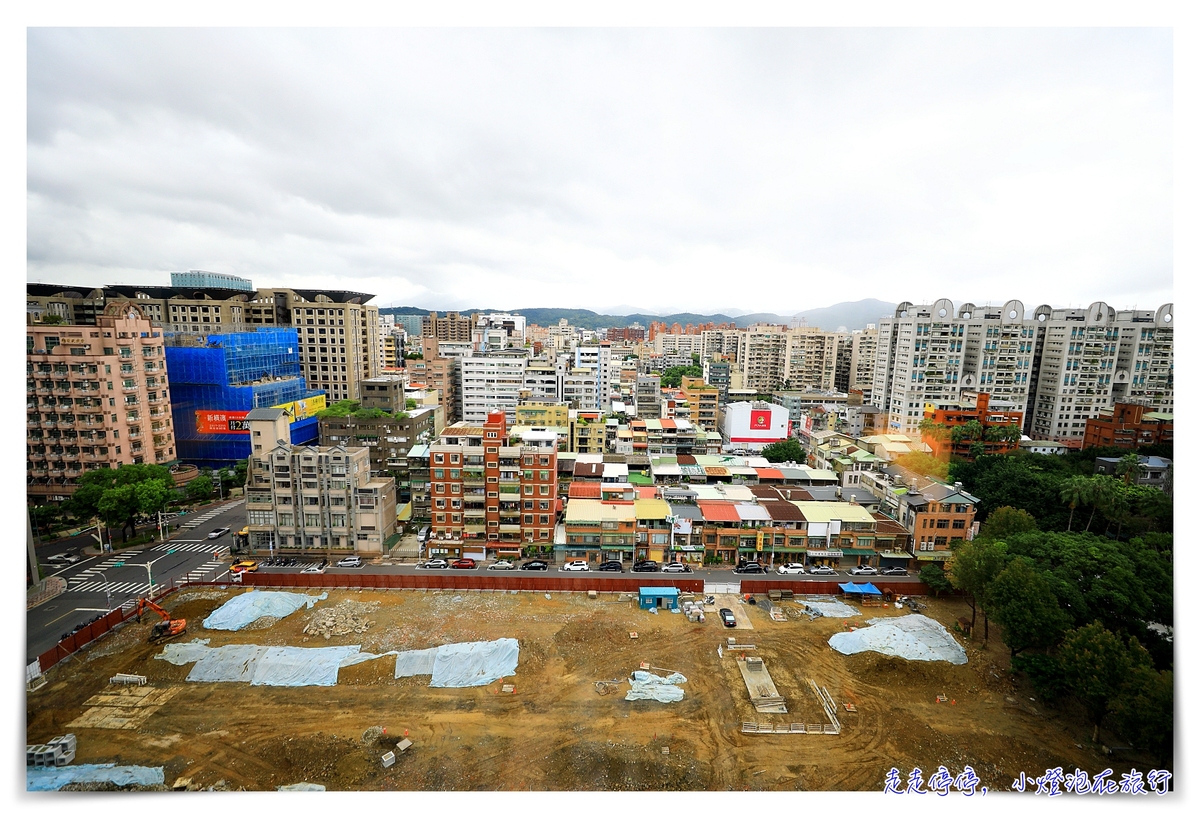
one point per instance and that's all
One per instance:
(803, 586)
(88, 634)
(467, 582)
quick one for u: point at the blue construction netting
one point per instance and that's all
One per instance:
(233, 372)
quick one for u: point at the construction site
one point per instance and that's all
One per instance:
(566, 691)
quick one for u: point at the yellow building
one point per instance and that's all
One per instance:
(702, 402)
(536, 413)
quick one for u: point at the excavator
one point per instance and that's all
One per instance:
(167, 629)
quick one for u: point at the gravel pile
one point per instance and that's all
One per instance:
(344, 618)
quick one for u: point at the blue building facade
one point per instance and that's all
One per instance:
(202, 279)
(217, 379)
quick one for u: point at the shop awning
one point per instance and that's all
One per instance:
(934, 556)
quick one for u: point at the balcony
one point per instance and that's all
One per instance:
(129, 389)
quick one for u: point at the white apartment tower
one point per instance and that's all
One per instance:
(491, 381)
(1063, 365)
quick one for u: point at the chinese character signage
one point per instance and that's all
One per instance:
(760, 419)
(214, 422)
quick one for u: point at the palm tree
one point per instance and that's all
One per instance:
(1076, 492)
(1127, 467)
(1104, 492)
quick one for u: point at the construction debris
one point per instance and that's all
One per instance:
(763, 695)
(341, 620)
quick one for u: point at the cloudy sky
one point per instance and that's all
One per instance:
(665, 169)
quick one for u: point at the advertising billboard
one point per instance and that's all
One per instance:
(760, 420)
(303, 408)
(220, 422)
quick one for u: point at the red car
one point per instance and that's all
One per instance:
(465, 562)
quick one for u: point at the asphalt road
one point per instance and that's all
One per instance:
(97, 584)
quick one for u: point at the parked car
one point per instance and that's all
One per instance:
(749, 568)
(220, 532)
(535, 565)
(895, 571)
(500, 565)
(435, 563)
(822, 570)
(243, 565)
(790, 568)
(645, 566)
(464, 562)
(676, 568)
(727, 618)
(314, 569)
(860, 570)
(62, 559)
(350, 562)
(576, 565)
(611, 565)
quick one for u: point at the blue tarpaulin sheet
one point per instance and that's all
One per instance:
(865, 588)
(45, 779)
(240, 611)
(463, 664)
(261, 665)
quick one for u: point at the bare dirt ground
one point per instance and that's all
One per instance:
(555, 732)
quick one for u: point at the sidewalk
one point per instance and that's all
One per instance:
(44, 591)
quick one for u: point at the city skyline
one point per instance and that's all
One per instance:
(455, 168)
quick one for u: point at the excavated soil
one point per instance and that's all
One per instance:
(555, 731)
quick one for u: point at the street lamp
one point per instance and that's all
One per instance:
(149, 577)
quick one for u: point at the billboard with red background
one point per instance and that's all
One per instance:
(760, 419)
(214, 422)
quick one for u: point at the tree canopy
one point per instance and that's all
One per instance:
(1021, 599)
(785, 451)
(672, 376)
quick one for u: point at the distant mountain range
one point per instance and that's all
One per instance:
(849, 314)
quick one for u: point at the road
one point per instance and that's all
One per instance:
(100, 583)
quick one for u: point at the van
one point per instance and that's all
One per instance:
(423, 535)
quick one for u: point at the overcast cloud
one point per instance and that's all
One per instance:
(685, 169)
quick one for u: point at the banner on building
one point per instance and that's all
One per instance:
(682, 525)
(214, 422)
(760, 419)
(303, 408)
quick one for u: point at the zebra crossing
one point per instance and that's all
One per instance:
(193, 547)
(208, 515)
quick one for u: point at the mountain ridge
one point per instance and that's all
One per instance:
(849, 314)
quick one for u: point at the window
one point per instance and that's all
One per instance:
(959, 524)
(943, 523)
(285, 518)
(312, 520)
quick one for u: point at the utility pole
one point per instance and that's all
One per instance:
(149, 577)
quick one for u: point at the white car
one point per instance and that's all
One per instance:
(500, 565)
(822, 570)
(576, 565)
(790, 568)
(434, 563)
(63, 559)
(676, 568)
(314, 569)
(350, 562)
(863, 569)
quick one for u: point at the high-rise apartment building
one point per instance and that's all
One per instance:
(489, 499)
(453, 327)
(97, 396)
(491, 381)
(1063, 365)
(647, 396)
(314, 499)
(338, 330)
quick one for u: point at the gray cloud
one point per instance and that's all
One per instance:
(690, 169)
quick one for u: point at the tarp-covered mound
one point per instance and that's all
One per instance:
(914, 637)
(45, 779)
(240, 611)
(646, 685)
(260, 665)
(463, 664)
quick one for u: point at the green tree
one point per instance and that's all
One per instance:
(153, 496)
(1144, 713)
(50, 318)
(1021, 599)
(932, 429)
(117, 506)
(935, 579)
(672, 376)
(977, 450)
(972, 569)
(1075, 492)
(199, 489)
(1104, 495)
(1007, 521)
(1128, 467)
(1096, 665)
(924, 463)
(785, 451)
(410, 403)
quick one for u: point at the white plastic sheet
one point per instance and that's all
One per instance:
(260, 665)
(415, 662)
(462, 664)
(913, 637)
(833, 609)
(646, 685)
(245, 608)
(46, 779)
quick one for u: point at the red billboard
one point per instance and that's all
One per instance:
(214, 422)
(760, 419)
